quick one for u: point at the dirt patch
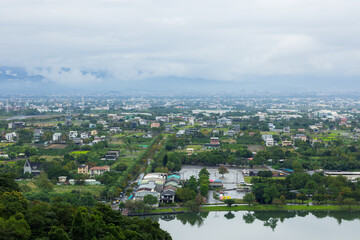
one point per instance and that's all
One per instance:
(255, 148)
(57, 146)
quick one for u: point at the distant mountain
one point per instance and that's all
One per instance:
(18, 80)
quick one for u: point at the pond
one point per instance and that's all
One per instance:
(279, 225)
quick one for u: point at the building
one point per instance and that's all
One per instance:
(214, 141)
(112, 155)
(268, 139)
(180, 133)
(286, 143)
(15, 125)
(93, 132)
(155, 125)
(301, 137)
(32, 167)
(190, 151)
(37, 135)
(351, 176)
(73, 134)
(84, 135)
(10, 136)
(99, 170)
(83, 169)
(56, 137)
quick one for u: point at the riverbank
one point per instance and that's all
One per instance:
(263, 208)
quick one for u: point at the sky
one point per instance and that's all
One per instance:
(102, 42)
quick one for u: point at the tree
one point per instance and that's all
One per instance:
(249, 198)
(192, 184)
(43, 182)
(204, 189)
(204, 171)
(79, 229)
(229, 202)
(349, 201)
(150, 199)
(302, 197)
(282, 200)
(7, 183)
(265, 174)
(15, 228)
(223, 170)
(276, 202)
(185, 194)
(57, 233)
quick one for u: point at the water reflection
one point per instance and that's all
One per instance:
(270, 219)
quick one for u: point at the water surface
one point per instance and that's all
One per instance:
(262, 225)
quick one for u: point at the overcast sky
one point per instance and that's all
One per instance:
(232, 40)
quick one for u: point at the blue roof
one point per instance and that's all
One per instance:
(290, 170)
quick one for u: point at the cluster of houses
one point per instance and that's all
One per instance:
(160, 185)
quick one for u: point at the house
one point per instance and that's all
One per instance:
(224, 121)
(301, 137)
(229, 133)
(56, 137)
(73, 134)
(16, 125)
(286, 130)
(32, 167)
(84, 135)
(286, 143)
(91, 125)
(37, 135)
(112, 155)
(155, 125)
(115, 129)
(148, 135)
(214, 141)
(180, 133)
(61, 180)
(182, 124)
(268, 139)
(93, 132)
(162, 118)
(10, 136)
(83, 169)
(99, 170)
(190, 151)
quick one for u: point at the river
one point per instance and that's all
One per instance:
(279, 225)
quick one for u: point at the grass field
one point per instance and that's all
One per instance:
(94, 190)
(248, 179)
(79, 152)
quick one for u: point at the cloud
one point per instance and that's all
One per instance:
(140, 39)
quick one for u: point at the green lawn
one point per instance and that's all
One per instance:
(94, 190)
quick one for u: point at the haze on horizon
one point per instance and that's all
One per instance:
(119, 44)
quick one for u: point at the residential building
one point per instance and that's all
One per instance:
(10, 136)
(155, 125)
(32, 167)
(56, 137)
(83, 169)
(268, 139)
(190, 151)
(112, 155)
(73, 134)
(84, 135)
(99, 170)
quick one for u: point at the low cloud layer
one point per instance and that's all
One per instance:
(231, 40)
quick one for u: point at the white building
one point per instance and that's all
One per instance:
(56, 137)
(84, 135)
(268, 139)
(10, 136)
(73, 134)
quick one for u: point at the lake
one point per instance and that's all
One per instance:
(279, 225)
